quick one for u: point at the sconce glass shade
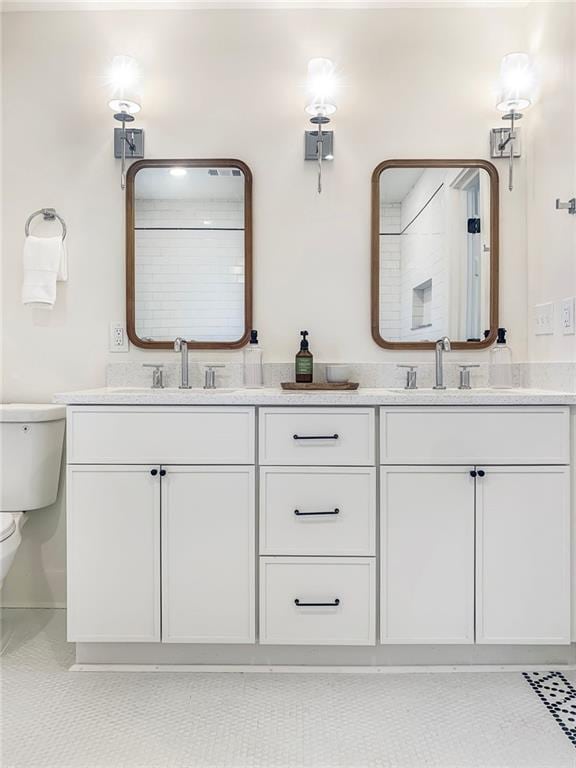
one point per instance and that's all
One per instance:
(516, 83)
(125, 85)
(321, 87)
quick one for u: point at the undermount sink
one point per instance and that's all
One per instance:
(162, 390)
(448, 390)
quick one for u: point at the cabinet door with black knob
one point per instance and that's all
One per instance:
(427, 554)
(523, 555)
(113, 551)
(208, 554)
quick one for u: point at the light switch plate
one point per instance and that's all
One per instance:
(118, 338)
(544, 319)
(567, 316)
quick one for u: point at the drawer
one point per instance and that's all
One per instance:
(474, 435)
(317, 601)
(317, 436)
(160, 435)
(317, 511)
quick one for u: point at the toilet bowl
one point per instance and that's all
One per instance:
(31, 441)
(10, 537)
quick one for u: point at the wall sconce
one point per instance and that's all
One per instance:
(320, 87)
(514, 95)
(125, 84)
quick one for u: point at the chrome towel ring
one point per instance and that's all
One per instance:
(49, 214)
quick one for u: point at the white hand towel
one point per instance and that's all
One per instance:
(62, 276)
(44, 262)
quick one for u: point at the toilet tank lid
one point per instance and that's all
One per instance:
(27, 412)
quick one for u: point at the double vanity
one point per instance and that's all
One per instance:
(262, 527)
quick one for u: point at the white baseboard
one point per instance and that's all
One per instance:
(315, 669)
(55, 606)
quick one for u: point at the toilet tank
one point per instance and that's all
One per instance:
(31, 440)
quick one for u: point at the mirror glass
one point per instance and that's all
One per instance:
(189, 254)
(434, 253)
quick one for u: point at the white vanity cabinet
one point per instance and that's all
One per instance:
(377, 526)
(475, 552)
(161, 551)
(317, 512)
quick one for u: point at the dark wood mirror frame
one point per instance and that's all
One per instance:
(130, 252)
(494, 251)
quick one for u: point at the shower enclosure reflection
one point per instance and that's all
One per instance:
(435, 248)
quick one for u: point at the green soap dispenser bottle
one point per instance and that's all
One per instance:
(304, 362)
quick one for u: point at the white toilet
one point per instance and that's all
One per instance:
(31, 440)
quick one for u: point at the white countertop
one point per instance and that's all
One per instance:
(277, 396)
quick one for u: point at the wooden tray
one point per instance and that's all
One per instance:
(323, 385)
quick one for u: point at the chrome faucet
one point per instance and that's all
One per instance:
(442, 345)
(181, 345)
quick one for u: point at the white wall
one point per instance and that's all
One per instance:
(415, 83)
(550, 127)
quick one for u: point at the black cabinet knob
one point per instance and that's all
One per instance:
(162, 473)
(153, 472)
(481, 473)
(472, 473)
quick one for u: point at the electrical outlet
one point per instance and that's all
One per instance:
(118, 339)
(544, 319)
(567, 316)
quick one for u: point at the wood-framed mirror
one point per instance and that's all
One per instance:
(189, 253)
(435, 251)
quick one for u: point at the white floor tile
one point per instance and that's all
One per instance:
(57, 719)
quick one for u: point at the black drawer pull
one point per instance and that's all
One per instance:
(315, 437)
(317, 605)
(481, 473)
(335, 511)
(153, 472)
(473, 473)
(162, 473)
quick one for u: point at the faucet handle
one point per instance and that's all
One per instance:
(465, 374)
(210, 374)
(157, 374)
(411, 375)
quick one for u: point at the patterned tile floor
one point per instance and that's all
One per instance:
(56, 719)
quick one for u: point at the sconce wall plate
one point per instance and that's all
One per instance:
(311, 145)
(134, 147)
(498, 137)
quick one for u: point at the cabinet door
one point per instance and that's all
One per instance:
(113, 530)
(523, 555)
(427, 555)
(208, 555)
